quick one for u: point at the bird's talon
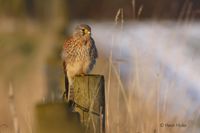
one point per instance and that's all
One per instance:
(82, 74)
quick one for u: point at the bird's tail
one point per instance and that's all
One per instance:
(65, 95)
(66, 87)
(69, 90)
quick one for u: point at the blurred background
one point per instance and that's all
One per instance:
(149, 51)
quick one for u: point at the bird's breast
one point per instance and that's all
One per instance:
(79, 50)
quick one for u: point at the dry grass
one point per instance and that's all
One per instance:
(144, 98)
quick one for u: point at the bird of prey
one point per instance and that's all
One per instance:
(79, 56)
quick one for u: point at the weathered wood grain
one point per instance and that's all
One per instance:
(90, 101)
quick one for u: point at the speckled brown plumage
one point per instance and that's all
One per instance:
(79, 53)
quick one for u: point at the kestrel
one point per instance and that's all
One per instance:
(79, 55)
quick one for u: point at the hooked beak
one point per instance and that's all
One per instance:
(88, 32)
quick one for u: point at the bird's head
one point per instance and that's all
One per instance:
(82, 30)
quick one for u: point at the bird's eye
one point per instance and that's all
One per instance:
(83, 30)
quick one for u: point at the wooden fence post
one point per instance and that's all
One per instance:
(89, 98)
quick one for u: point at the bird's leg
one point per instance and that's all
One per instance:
(83, 72)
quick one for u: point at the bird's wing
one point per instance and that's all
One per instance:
(94, 52)
(65, 50)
